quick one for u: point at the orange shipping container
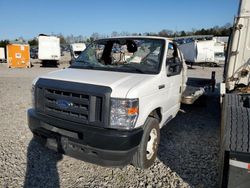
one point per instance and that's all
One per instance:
(18, 55)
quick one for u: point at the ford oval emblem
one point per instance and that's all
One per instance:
(63, 104)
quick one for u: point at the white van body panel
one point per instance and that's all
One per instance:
(238, 60)
(198, 51)
(119, 82)
(49, 48)
(2, 54)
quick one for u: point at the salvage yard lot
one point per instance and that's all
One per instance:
(187, 157)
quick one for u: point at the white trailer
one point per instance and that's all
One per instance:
(76, 49)
(235, 95)
(198, 51)
(2, 54)
(219, 52)
(49, 49)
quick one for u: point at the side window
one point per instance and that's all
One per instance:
(173, 62)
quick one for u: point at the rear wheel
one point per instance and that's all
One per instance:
(147, 151)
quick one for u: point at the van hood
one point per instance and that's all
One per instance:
(119, 82)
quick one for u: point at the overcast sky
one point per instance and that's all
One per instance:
(28, 18)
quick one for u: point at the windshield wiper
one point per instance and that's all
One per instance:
(87, 66)
(133, 68)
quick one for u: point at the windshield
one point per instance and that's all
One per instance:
(135, 55)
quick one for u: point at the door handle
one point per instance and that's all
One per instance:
(161, 86)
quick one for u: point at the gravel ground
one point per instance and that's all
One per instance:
(187, 157)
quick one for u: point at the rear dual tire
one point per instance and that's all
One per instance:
(234, 135)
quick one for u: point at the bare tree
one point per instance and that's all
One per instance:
(114, 34)
(125, 33)
(95, 35)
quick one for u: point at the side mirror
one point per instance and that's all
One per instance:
(173, 68)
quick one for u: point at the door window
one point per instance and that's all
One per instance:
(173, 62)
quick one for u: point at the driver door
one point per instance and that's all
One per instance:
(174, 67)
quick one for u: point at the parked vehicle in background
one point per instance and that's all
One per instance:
(18, 55)
(198, 51)
(2, 55)
(202, 49)
(34, 52)
(235, 92)
(76, 49)
(49, 51)
(107, 108)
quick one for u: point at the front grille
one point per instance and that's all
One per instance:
(78, 109)
(81, 103)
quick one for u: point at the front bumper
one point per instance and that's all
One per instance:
(101, 146)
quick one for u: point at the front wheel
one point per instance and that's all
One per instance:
(147, 151)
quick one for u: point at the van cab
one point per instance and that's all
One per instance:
(108, 107)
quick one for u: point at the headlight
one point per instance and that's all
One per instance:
(33, 95)
(124, 113)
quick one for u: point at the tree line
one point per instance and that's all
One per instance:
(216, 31)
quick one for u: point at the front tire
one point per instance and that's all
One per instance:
(147, 151)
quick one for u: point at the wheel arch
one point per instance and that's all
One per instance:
(156, 113)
